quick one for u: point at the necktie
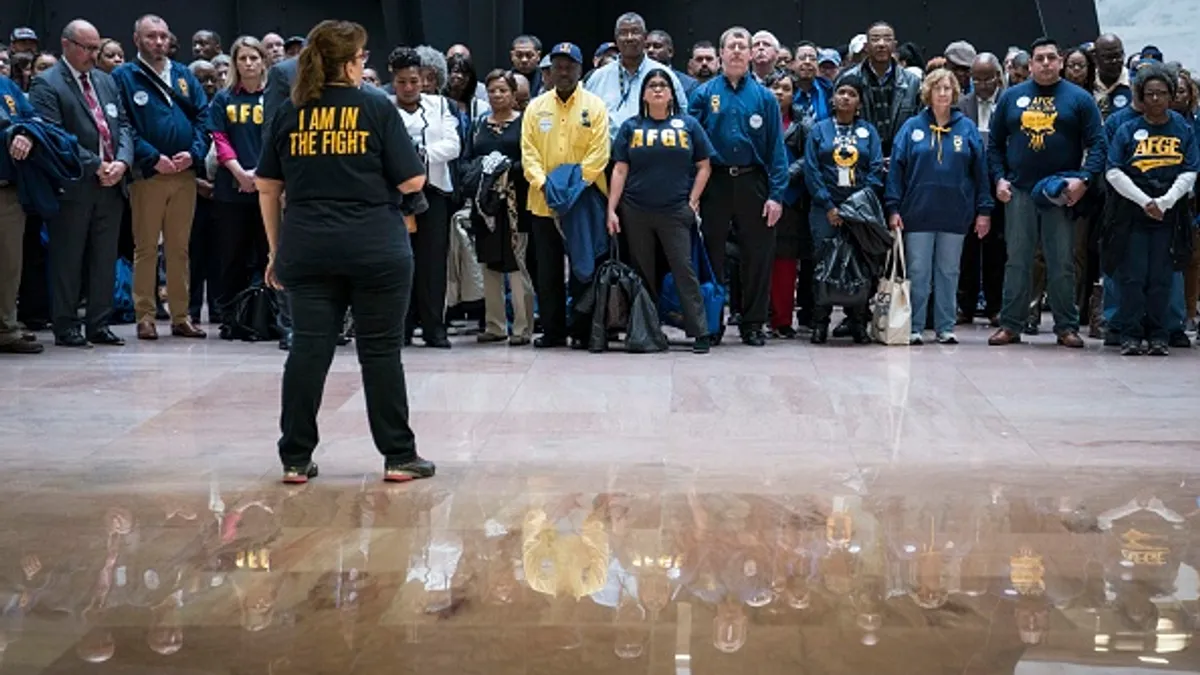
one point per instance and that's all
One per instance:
(98, 115)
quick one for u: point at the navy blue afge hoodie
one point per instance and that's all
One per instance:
(938, 180)
(166, 120)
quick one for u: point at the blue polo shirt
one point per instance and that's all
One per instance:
(660, 155)
(745, 128)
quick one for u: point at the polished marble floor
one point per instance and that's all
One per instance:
(794, 509)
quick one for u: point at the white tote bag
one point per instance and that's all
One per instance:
(891, 316)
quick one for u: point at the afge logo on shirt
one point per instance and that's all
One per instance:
(328, 131)
(1038, 121)
(715, 103)
(11, 103)
(1156, 152)
(668, 138)
(243, 112)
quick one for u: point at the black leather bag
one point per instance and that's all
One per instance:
(842, 277)
(256, 314)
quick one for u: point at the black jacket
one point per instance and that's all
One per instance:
(906, 100)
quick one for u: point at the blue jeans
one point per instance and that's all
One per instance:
(1026, 223)
(933, 260)
(1176, 310)
(1144, 277)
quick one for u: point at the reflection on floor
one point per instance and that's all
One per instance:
(845, 511)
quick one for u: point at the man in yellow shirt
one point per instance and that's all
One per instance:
(565, 125)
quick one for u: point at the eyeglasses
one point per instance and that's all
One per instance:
(1077, 66)
(91, 49)
(658, 86)
(985, 80)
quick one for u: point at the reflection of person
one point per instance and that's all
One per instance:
(342, 154)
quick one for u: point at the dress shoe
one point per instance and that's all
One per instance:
(186, 329)
(28, 336)
(547, 342)
(437, 340)
(820, 334)
(1071, 339)
(1004, 337)
(146, 330)
(489, 338)
(106, 337)
(71, 338)
(1179, 340)
(21, 347)
(518, 341)
(754, 338)
(842, 330)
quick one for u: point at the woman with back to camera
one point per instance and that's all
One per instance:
(654, 155)
(344, 158)
(235, 119)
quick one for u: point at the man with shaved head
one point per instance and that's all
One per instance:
(84, 100)
(1112, 79)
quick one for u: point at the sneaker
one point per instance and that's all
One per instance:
(1179, 340)
(1158, 349)
(299, 475)
(701, 345)
(413, 469)
(1131, 348)
(915, 340)
(947, 338)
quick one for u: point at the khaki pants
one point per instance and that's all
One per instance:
(162, 205)
(522, 295)
(12, 233)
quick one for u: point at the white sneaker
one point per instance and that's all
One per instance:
(915, 340)
(947, 338)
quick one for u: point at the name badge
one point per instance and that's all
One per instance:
(110, 109)
(844, 177)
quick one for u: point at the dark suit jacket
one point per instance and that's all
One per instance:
(58, 99)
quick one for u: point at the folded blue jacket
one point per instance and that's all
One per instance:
(582, 217)
(53, 162)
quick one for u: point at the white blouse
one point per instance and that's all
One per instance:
(434, 128)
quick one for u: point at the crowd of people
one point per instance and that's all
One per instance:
(1060, 176)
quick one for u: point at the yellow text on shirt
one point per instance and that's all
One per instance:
(556, 132)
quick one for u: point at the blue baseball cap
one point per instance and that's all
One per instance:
(604, 48)
(829, 56)
(569, 50)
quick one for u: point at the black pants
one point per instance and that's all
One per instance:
(644, 229)
(379, 298)
(241, 249)
(550, 252)
(204, 260)
(33, 298)
(739, 200)
(431, 246)
(83, 240)
(982, 268)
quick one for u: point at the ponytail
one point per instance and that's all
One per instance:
(330, 46)
(310, 77)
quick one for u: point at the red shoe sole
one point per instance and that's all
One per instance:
(296, 480)
(398, 478)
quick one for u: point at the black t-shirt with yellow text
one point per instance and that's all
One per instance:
(340, 159)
